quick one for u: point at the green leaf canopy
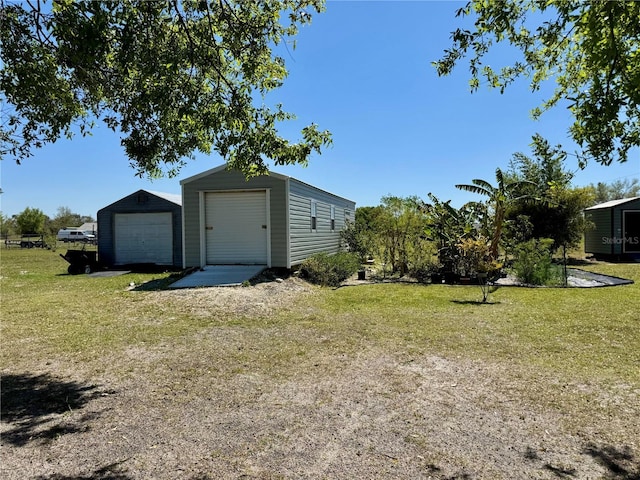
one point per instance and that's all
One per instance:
(172, 77)
(589, 48)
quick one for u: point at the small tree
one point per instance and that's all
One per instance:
(568, 205)
(516, 231)
(570, 223)
(31, 221)
(66, 218)
(400, 228)
(7, 225)
(626, 188)
(475, 259)
(557, 210)
(355, 240)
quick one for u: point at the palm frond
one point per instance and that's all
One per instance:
(474, 189)
(500, 179)
(483, 184)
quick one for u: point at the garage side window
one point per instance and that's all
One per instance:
(333, 218)
(314, 218)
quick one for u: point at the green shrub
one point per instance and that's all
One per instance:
(423, 271)
(330, 270)
(51, 242)
(475, 257)
(533, 263)
(357, 240)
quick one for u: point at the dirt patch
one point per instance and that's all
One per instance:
(260, 299)
(205, 407)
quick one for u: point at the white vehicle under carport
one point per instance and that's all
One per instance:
(72, 235)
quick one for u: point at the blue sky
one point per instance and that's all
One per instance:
(363, 71)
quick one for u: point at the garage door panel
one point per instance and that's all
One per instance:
(236, 228)
(144, 238)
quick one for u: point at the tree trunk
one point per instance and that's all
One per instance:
(497, 232)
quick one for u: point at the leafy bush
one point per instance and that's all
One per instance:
(475, 257)
(330, 270)
(400, 228)
(51, 242)
(533, 263)
(423, 271)
(356, 240)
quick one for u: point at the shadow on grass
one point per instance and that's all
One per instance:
(474, 302)
(435, 470)
(377, 281)
(112, 471)
(158, 284)
(561, 472)
(32, 404)
(578, 261)
(619, 464)
(266, 276)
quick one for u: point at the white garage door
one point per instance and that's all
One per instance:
(144, 238)
(236, 228)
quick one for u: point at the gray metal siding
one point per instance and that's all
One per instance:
(138, 202)
(305, 241)
(617, 233)
(106, 247)
(606, 237)
(224, 180)
(593, 238)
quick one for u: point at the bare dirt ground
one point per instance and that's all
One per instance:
(185, 410)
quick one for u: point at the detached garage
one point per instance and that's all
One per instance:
(142, 228)
(616, 232)
(272, 220)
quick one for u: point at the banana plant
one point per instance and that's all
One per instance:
(446, 226)
(498, 199)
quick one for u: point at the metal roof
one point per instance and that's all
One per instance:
(613, 203)
(222, 167)
(280, 176)
(171, 197)
(89, 226)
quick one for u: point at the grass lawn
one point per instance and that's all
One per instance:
(575, 351)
